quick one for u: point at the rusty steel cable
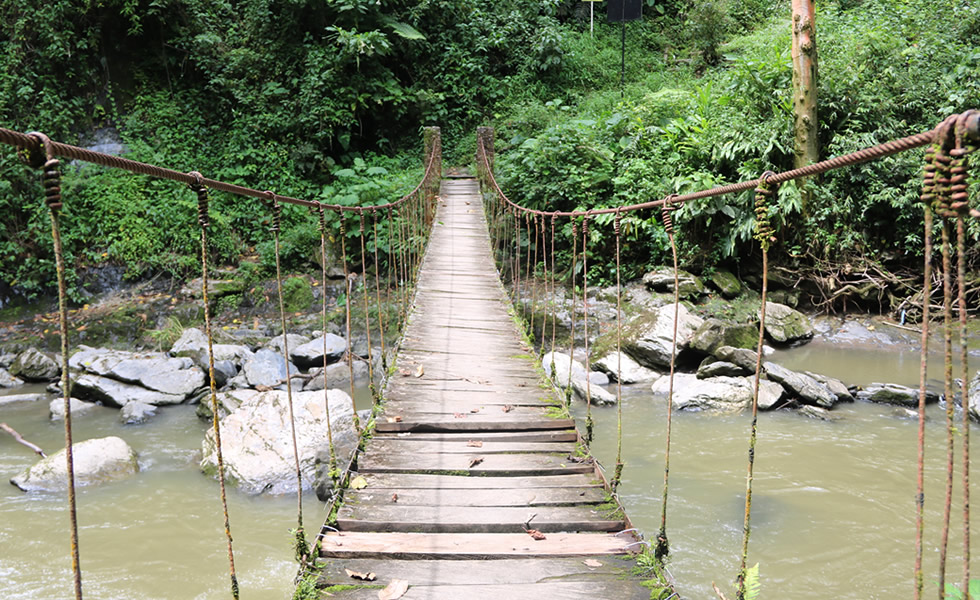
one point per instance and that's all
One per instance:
(322, 226)
(589, 423)
(618, 471)
(348, 285)
(764, 235)
(51, 178)
(662, 547)
(554, 297)
(571, 339)
(204, 221)
(534, 280)
(367, 312)
(377, 289)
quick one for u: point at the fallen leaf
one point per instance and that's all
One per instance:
(506, 408)
(459, 415)
(591, 562)
(394, 497)
(361, 576)
(475, 461)
(395, 589)
(420, 371)
(395, 419)
(404, 372)
(358, 483)
(535, 534)
(474, 410)
(474, 444)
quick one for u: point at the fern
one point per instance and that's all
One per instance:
(752, 584)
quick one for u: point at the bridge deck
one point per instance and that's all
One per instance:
(471, 451)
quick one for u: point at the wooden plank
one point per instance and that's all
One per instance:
(563, 496)
(479, 397)
(408, 445)
(473, 572)
(470, 410)
(551, 590)
(397, 481)
(568, 435)
(496, 465)
(392, 545)
(473, 519)
(475, 425)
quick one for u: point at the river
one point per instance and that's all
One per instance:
(833, 512)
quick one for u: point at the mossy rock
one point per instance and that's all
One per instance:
(726, 283)
(715, 333)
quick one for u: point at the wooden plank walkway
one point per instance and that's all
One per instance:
(472, 450)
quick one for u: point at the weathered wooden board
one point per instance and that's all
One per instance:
(498, 465)
(473, 519)
(478, 397)
(423, 408)
(474, 424)
(568, 435)
(553, 590)
(470, 546)
(408, 445)
(564, 496)
(396, 481)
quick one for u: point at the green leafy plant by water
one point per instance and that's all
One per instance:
(954, 593)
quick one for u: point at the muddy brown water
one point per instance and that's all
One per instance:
(833, 513)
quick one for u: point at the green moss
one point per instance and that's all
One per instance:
(297, 294)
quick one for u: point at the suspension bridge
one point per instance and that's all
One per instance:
(473, 480)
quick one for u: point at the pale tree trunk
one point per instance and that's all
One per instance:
(804, 83)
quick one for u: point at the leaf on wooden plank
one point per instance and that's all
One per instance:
(459, 416)
(535, 534)
(420, 371)
(395, 589)
(506, 408)
(361, 576)
(475, 444)
(591, 563)
(358, 483)
(394, 497)
(404, 372)
(475, 461)
(474, 410)
(394, 419)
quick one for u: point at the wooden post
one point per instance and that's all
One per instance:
(805, 145)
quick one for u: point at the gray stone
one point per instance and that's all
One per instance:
(662, 280)
(649, 339)
(836, 387)
(11, 398)
(790, 298)
(715, 333)
(56, 408)
(337, 376)
(815, 412)
(228, 402)
(136, 413)
(727, 394)
(34, 365)
(621, 367)
(257, 444)
(224, 371)
(294, 340)
(726, 283)
(891, 393)
(566, 370)
(193, 343)
(8, 381)
(598, 378)
(974, 404)
(784, 324)
(116, 393)
(95, 461)
(238, 382)
(743, 357)
(311, 354)
(152, 370)
(267, 367)
(596, 393)
(711, 368)
(771, 394)
(800, 385)
(216, 288)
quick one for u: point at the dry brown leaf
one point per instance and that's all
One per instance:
(474, 444)
(506, 408)
(535, 534)
(591, 563)
(394, 497)
(475, 461)
(361, 576)
(404, 372)
(394, 419)
(474, 410)
(395, 589)
(420, 371)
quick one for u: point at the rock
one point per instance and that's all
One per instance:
(337, 376)
(974, 404)
(216, 288)
(836, 387)
(649, 339)
(152, 370)
(790, 298)
(116, 393)
(311, 354)
(224, 371)
(743, 357)
(726, 283)
(238, 382)
(631, 371)
(193, 343)
(292, 339)
(784, 324)
(95, 461)
(56, 408)
(10, 399)
(891, 393)
(799, 385)
(771, 394)
(815, 412)
(598, 378)
(34, 365)
(137, 413)
(257, 444)
(562, 368)
(662, 280)
(711, 368)
(715, 333)
(8, 381)
(228, 402)
(599, 395)
(718, 393)
(267, 367)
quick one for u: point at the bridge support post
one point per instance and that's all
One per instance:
(485, 135)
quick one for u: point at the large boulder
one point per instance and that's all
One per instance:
(34, 365)
(974, 403)
(116, 393)
(743, 357)
(95, 461)
(268, 368)
(719, 368)
(662, 280)
(785, 324)
(228, 402)
(152, 370)
(291, 340)
(567, 370)
(311, 354)
(337, 376)
(836, 386)
(718, 393)
(621, 367)
(8, 381)
(649, 339)
(137, 413)
(193, 343)
(56, 408)
(892, 393)
(715, 333)
(800, 385)
(726, 283)
(11, 398)
(257, 444)
(593, 392)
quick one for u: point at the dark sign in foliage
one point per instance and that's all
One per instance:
(625, 10)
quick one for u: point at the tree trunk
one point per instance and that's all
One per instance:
(804, 83)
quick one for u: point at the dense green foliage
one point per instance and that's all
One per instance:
(324, 99)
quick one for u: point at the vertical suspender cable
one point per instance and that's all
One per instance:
(574, 296)
(618, 473)
(204, 220)
(589, 423)
(323, 325)
(377, 288)
(554, 296)
(51, 177)
(367, 311)
(662, 549)
(348, 291)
